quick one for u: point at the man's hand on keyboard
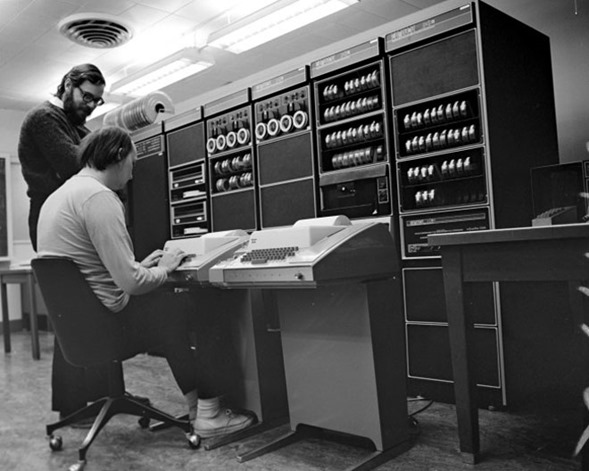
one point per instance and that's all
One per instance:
(152, 259)
(171, 259)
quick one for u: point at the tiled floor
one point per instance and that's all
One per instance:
(510, 441)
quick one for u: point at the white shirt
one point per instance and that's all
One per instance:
(85, 221)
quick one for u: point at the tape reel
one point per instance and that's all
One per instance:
(231, 139)
(300, 119)
(286, 123)
(261, 131)
(221, 142)
(273, 127)
(211, 145)
(243, 136)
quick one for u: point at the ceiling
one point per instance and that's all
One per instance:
(34, 55)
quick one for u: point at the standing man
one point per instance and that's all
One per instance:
(50, 135)
(48, 153)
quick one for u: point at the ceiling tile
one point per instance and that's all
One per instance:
(141, 17)
(53, 9)
(361, 21)
(389, 10)
(172, 25)
(9, 9)
(53, 43)
(420, 4)
(112, 7)
(169, 6)
(202, 12)
(27, 28)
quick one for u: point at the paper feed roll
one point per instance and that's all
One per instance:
(139, 112)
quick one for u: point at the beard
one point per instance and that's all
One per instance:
(76, 114)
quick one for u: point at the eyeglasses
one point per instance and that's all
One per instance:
(89, 98)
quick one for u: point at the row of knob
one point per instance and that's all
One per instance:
(436, 115)
(292, 102)
(351, 108)
(435, 197)
(353, 135)
(365, 82)
(353, 158)
(452, 168)
(231, 165)
(232, 139)
(286, 124)
(441, 139)
(233, 121)
(235, 182)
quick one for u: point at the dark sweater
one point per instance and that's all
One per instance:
(48, 149)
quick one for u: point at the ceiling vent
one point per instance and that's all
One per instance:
(95, 30)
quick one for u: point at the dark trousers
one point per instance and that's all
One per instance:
(191, 332)
(216, 350)
(159, 322)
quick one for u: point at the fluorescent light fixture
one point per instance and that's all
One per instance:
(178, 66)
(273, 21)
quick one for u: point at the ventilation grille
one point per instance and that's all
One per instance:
(95, 30)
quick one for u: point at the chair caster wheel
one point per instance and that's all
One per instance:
(55, 442)
(193, 440)
(144, 422)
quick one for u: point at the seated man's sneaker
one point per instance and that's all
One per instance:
(226, 421)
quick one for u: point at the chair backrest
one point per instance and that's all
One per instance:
(89, 334)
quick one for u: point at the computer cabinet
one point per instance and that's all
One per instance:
(188, 176)
(231, 162)
(473, 111)
(285, 148)
(147, 204)
(354, 142)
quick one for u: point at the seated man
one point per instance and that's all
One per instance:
(84, 220)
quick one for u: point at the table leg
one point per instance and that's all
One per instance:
(33, 317)
(5, 319)
(579, 304)
(460, 331)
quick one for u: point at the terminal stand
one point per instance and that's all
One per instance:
(344, 360)
(256, 383)
(260, 387)
(303, 432)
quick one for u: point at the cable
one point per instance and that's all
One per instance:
(423, 408)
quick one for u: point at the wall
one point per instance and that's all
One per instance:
(572, 98)
(10, 122)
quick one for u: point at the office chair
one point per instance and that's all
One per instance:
(90, 335)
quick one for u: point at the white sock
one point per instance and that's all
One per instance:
(192, 402)
(208, 408)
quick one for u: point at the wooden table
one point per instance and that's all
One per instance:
(549, 253)
(25, 277)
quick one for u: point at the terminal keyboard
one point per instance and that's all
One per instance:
(258, 256)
